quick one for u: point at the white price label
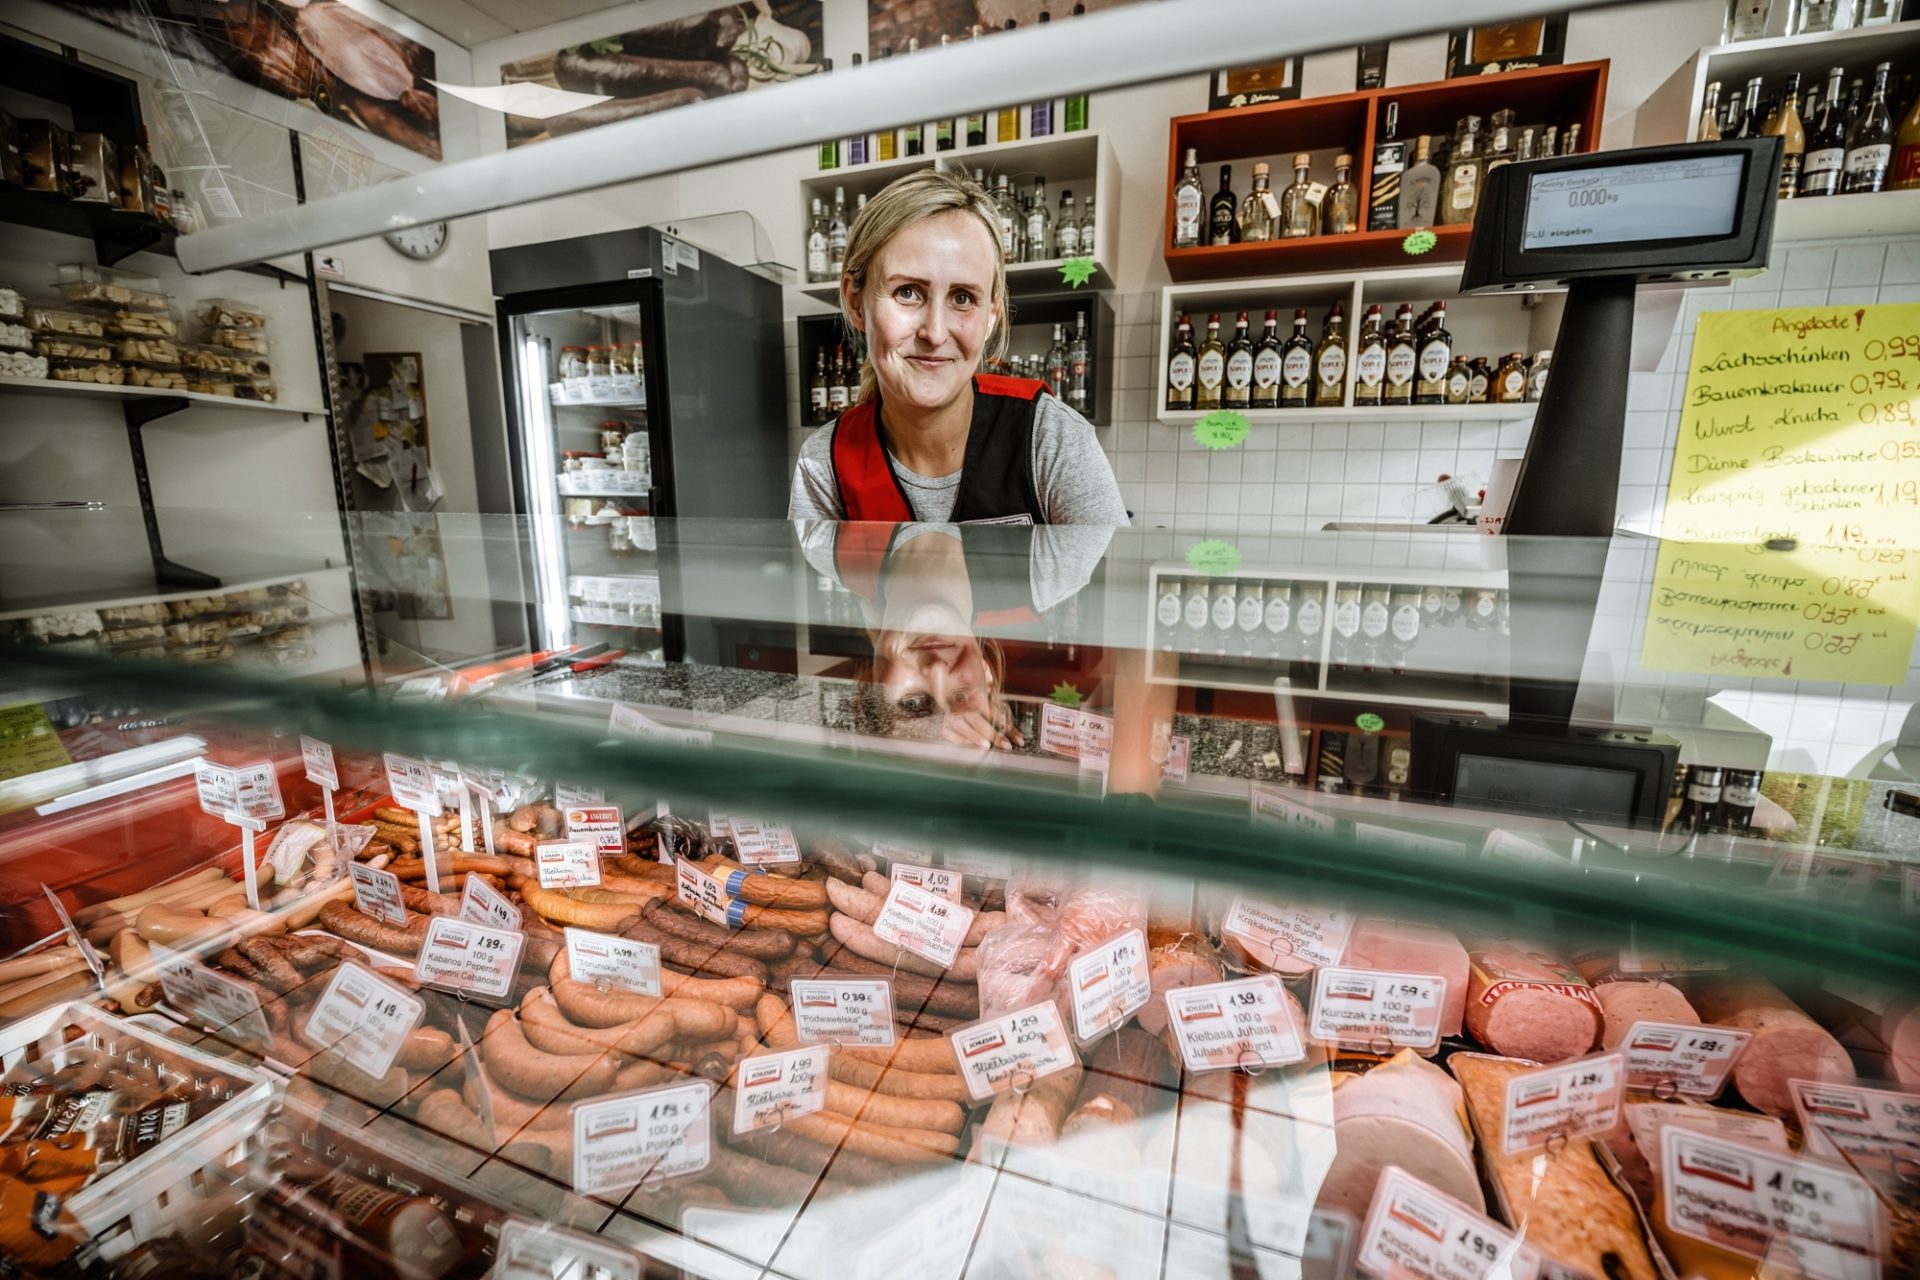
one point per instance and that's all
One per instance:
(632, 721)
(1864, 1123)
(568, 796)
(624, 963)
(776, 1087)
(941, 880)
(622, 1142)
(1419, 1233)
(1826, 875)
(365, 1017)
(538, 1251)
(1368, 1008)
(757, 843)
(481, 903)
(1276, 934)
(377, 893)
(243, 791)
(600, 826)
(923, 923)
(1665, 958)
(412, 784)
(1179, 755)
(1692, 1061)
(1248, 1022)
(468, 956)
(1272, 805)
(856, 1011)
(1565, 1101)
(214, 1000)
(1012, 1051)
(566, 864)
(1764, 1204)
(1109, 983)
(321, 769)
(707, 896)
(1096, 740)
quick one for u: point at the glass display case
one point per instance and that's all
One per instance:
(980, 905)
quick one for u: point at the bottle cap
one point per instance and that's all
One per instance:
(1065, 194)
(1260, 170)
(1343, 162)
(1302, 161)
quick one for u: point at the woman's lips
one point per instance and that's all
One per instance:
(928, 362)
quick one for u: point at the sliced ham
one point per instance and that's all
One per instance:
(1399, 946)
(1176, 960)
(1525, 1003)
(1406, 1112)
(1787, 1045)
(1624, 1003)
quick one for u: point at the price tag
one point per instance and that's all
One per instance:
(1109, 983)
(707, 895)
(568, 796)
(377, 892)
(564, 864)
(1096, 740)
(776, 1087)
(318, 757)
(1248, 1022)
(1012, 1050)
(632, 721)
(481, 903)
(1824, 874)
(363, 1016)
(757, 843)
(855, 1011)
(660, 1133)
(537, 1251)
(1417, 1232)
(1693, 1061)
(1179, 755)
(1761, 1203)
(941, 880)
(80, 943)
(1274, 933)
(624, 963)
(412, 784)
(600, 826)
(1863, 1123)
(1271, 805)
(1565, 1101)
(923, 923)
(1363, 1008)
(1060, 730)
(214, 1000)
(1504, 846)
(476, 1070)
(244, 791)
(468, 956)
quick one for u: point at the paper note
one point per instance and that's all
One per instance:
(1795, 499)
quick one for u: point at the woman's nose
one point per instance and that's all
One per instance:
(934, 324)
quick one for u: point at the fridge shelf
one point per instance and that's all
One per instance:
(606, 484)
(570, 392)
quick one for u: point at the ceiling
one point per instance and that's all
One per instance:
(471, 22)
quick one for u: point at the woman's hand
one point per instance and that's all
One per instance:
(984, 726)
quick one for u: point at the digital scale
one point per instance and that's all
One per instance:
(1599, 226)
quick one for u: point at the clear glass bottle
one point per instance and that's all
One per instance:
(1370, 360)
(1211, 369)
(1196, 617)
(1249, 634)
(1057, 363)
(1708, 129)
(1746, 20)
(817, 242)
(1346, 626)
(1340, 207)
(1013, 228)
(1296, 216)
(1420, 187)
(1276, 620)
(1239, 388)
(1189, 203)
(1296, 365)
(837, 235)
(1403, 358)
(1809, 16)
(1039, 223)
(1870, 141)
(1066, 228)
(1461, 198)
(1266, 366)
(1258, 212)
(1537, 369)
(1088, 245)
(1180, 366)
(1500, 147)
(1168, 613)
(1330, 362)
(1079, 369)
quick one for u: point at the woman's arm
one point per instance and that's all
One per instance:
(1071, 473)
(815, 495)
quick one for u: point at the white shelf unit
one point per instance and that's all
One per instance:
(103, 391)
(1481, 326)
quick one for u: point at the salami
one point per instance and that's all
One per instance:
(1787, 1045)
(1524, 1003)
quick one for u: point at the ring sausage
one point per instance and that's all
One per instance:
(862, 941)
(861, 904)
(425, 1049)
(526, 1070)
(622, 1006)
(768, 890)
(694, 956)
(553, 905)
(356, 926)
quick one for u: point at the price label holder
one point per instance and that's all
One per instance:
(1096, 741)
(612, 963)
(1247, 1023)
(246, 796)
(923, 923)
(641, 1139)
(757, 843)
(480, 791)
(214, 1000)
(1060, 730)
(600, 826)
(323, 773)
(481, 903)
(566, 864)
(1109, 983)
(412, 784)
(1416, 1232)
(1274, 806)
(568, 796)
(1550, 1106)
(941, 880)
(464, 957)
(1811, 1218)
(80, 943)
(1179, 757)
(364, 1018)
(1012, 1051)
(773, 1088)
(477, 1070)
(377, 892)
(1375, 1010)
(851, 1011)
(1275, 933)
(707, 896)
(537, 1251)
(1673, 1059)
(1858, 1121)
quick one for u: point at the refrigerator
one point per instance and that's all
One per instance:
(644, 381)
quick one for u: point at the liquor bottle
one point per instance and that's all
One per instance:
(1696, 811)
(1484, 609)
(1870, 141)
(817, 388)
(1249, 631)
(1819, 15)
(817, 242)
(1188, 201)
(1168, 613)
(1039, 223)
(1012, 220)
(1180, 362)
(1459, 381)
(1436, 357)
(1786, 126)
(1405, 605)
(1751, 121)
(1403, 358)
(1040, 114)
(1211, 368)
(1258, 212)
(1297, 217)
(1537, 374)
(1266, 366)
(1006, 121)
(942, 129)
(854, 149)
(837, 235)
(1549, 142)
(1376, 616)
(1826, 142)
(1075, 109)
(1066, 229)
(1739, 797)
(1224, 632)
(840, 386)
(1276, 620)
(1733, 124)
(1419, 188)
(1389, 161)
(1196, 616)
(1462, 195)
(1346, 626)
(1088, 245)
(976, 120)
(1709, 128)
(1223, 211)
(1079, 369)
(1296, 365)
(1370, 360)
(1057, 363)
(830, 149)
(915, 139)
(1510, 380)
(1340, 207)
(1309, 615)
(1479, 380)
(1500, 149)
(1746, 20)
(1239, 389)
(1904, 175)
(1330, 362)
(1570, 141)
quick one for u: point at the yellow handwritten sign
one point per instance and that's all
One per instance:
(28, 741)
(1791, 545)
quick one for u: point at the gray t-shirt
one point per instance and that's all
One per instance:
(1070, 473)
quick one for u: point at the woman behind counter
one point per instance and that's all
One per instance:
(930, 438)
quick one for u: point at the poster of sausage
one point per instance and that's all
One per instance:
(707, 55)
(892, 23)
(330, 57)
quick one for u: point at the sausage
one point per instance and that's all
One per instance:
(622, 74)
(1624, 1003)
(902, 1146)
(19, 999)
(312, 904)
(767, 890)
(861, 904)
(696, 956)
(447, 1114)
(644, 869)
(159, 893)
(624, 1006)
(556, 906)
(862, 941)
(898, 1082)
(911, 991)
(927, 1055)
(1524, 1003)
(430, 904)
(754, 1182)
(511, 1111)
(810, 1157)
(616, 110)
(176, 927)
(450, 864)
(549, 1029)
(1787, 1045)
(1035, 1118)
(519, 1066)
(383, 1091)
(277, 972)
(698, 36)
(758, 943)
(807, 924)
(356, 926)
(520, 844)
(425, 1049)
(313, 951)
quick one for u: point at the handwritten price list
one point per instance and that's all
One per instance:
(1794, 507)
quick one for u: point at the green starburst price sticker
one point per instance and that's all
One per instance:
(1066, 695)
(1213, 556)
(1419, 242)
(1076, 271)
(1221, 429)
(1370, 722)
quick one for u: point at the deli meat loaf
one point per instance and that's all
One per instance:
(1636, 1142)
(1566, 1205)
(1524, 1003)
(1176, 958)
(1405, 1111)
(1624, 1003)
(1400, 946)
(1787, 1045)
(1900, 1028)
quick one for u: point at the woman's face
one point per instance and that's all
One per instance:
(927, 657)
(928, 309)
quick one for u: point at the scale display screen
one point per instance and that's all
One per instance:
(1666, 199)
(1503, 782)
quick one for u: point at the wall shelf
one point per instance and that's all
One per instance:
(1397, 415)
(192, 399)
(1852, 217)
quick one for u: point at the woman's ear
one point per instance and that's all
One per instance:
(850, 304)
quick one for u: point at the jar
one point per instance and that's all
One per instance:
(573, 362)
(611, 435)
(1537, 374)
(619, 360)
(598, 365)
(1510, 383)
(636, 357)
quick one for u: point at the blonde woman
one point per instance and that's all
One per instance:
(931, 438)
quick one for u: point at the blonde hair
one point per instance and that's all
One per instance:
(922, 194)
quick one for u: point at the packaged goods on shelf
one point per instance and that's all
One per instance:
(207, 386)
(93, 170)
(102, 373)
(43, 149)
(86, 283)
(131, 323)
(156, 377)
(56, 318)
(152, 351)
(219, 313)
(12, 305)
(16, 364)
(234, 338)
(15, 337)
(58, 346)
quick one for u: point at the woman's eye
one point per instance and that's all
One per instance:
(963, 299)
(906, 293)
(916, 705)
